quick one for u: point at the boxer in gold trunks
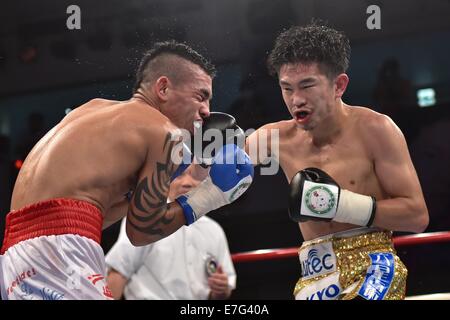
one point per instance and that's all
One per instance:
(351, 178)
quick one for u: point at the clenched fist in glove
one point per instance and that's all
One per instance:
(315, 195)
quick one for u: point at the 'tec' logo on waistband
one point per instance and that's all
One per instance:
(315, 264)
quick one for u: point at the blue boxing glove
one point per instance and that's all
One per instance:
(230, 176)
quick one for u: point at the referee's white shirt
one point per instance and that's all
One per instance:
(174, 267)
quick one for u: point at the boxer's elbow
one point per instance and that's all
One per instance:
(138, 238)
(421, 217)
(135, 241)
(141, 241)
(423, 222)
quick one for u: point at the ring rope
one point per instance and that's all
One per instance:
(281, 253)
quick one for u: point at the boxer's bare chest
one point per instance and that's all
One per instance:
(347, 160)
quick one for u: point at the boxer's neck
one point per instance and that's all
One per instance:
(331, 128)
(145, 97)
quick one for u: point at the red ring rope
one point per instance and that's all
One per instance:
(401, 241)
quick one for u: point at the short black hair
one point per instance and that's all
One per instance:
(170, 48)
(308, 44)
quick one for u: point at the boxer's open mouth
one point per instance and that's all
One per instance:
(301, 115)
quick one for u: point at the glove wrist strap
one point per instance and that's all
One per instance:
(199, 201)
(189, 214)
(355, 209)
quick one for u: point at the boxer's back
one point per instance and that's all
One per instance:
(93, 154)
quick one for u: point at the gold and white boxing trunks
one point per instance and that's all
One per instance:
(355, 264)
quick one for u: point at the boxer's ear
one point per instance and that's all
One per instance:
(340, 85)
(162, 88)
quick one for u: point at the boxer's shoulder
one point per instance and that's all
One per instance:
(375, 130)
(369, 121)
(366, 115)
(139, 117)
(100, 101)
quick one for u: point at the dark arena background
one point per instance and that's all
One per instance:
(399, 66)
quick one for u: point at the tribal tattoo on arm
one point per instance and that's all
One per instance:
(150, 211)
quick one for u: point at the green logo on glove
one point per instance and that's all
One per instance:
(239, 191)
(320, 200)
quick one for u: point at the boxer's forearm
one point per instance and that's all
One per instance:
(401, 214)
(167, 221)
(252, 151)
(262, 146)
(149, 216)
